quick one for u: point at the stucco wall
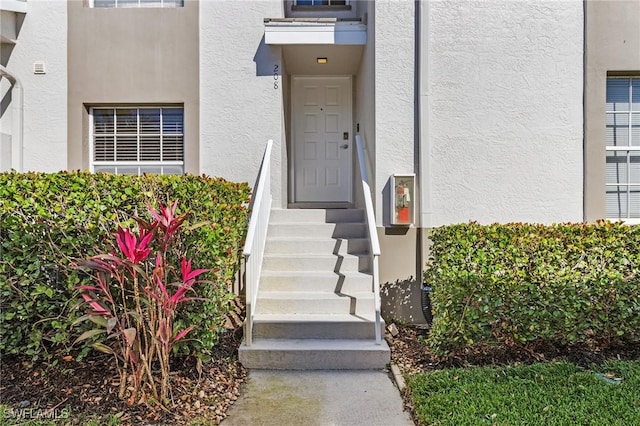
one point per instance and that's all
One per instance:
(505, 136)
(391, 69)
(613, 45)
(42, 37)
(239, 107)
(364, 99)
(132, 56)
(394, 96)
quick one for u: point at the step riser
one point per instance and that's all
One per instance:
(322, 252)
(347, 284)
(317, 230)
(319, 216)
(314, 330)
(337, 305)
(348, 263)
(329, 246)
(314, 359)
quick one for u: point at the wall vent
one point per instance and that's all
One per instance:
(39, 68)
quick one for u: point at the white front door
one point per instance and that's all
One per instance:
(322, 139)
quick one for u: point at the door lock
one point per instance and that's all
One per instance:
(345, 136)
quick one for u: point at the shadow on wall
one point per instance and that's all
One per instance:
(266, 59)
(15, 27)
(5, 103)
(402, 301)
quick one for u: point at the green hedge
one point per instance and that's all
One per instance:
(567, 284)
(47, 221)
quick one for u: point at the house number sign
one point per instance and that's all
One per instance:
(276, 76)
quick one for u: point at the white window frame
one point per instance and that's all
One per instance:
(140, 163)
(628, 148)
(313, 3)
(169, 4)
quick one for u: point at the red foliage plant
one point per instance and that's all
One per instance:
(133, 302)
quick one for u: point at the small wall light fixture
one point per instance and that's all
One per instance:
(321, 60)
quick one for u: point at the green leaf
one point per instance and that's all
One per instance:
(103, 348)
(89, 334)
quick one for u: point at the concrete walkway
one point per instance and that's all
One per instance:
(322, 398)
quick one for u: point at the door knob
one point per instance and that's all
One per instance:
(345, 146)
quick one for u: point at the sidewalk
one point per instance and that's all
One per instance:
(322, 398)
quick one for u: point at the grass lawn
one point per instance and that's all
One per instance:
(538, 394)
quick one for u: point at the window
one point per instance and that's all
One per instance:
(321, 3)
(129, 140)
(138, 3)
(623, 148)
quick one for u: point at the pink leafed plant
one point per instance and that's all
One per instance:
(134, 302)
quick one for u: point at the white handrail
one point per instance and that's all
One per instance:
(253, 251)
(373, 234)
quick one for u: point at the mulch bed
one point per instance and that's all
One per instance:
(80, 391)
(88, 389)
(412, 355)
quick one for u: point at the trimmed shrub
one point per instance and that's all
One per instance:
(566, 284)
(49, 221)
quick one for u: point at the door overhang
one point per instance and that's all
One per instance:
(304, 40)
(305, 31)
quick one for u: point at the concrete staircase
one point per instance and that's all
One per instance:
(315, 307)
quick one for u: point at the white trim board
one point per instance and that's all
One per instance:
(349, 33)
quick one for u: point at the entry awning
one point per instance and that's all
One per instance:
(287, 31)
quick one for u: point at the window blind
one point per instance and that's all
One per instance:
(134, 138)
(623, 148)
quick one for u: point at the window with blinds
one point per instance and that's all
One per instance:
(321, 3)
(141, 140)
(138, 3)
(623, 148)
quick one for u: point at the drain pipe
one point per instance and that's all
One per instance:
(424, 164)
(17, 117)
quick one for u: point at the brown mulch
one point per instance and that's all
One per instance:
(411, 354)
(79, 391)
(88, 389)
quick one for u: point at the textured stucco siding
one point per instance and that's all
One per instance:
(393, 149)
(42, 37)
(505, 82)
(613, 45)
(394, 97)
(365, 96)
(239, 107)
(132, 56)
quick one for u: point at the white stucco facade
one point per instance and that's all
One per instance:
(395, 73)
(240, 108)
(482, 100)
(42, 37)
(505, 87)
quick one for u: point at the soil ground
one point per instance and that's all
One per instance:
(88, 389)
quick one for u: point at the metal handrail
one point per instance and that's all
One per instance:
(373, 234)
(253, 251)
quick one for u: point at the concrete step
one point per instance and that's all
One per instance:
(316, 215)
(315, 230)
(301, 245)
(306, 326)
(345, 282)
(315, 354)
(289, 303)
(318, 262)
